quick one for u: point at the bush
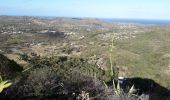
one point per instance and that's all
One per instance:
(64, 64)
(8, 68)
(45, 83)
(39, 83)
(60, 78)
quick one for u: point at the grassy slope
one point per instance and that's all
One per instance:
(144, 55)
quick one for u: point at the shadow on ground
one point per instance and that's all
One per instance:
(148, 88)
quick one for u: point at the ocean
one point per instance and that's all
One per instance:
(138, 21)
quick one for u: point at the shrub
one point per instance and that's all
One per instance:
(8, 68)
(64, 64)
(45, 83)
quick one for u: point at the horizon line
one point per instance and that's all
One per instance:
(87, 17)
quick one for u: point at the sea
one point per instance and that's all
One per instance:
(138, 21)
(124, 20)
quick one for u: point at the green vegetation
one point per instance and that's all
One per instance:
(4, 84)
(65, 65)
(16, 39)
(56, 77)
(8, 68)
(62, 58)
(144, 55)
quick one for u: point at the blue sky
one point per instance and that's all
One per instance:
(143, 9)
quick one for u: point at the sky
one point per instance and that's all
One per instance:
(138, 9)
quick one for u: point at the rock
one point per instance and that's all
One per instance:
(100, 63)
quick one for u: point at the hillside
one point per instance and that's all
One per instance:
(50, 49)
(8, 68)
